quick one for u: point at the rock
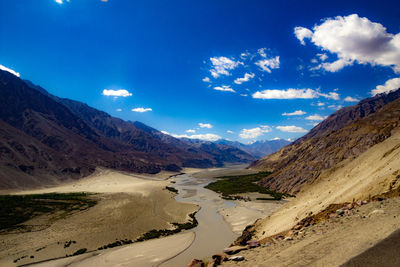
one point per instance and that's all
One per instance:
(375, 212)
(212, 264)
(253, 243)
(359, 203)
(339, 212)
(195, 263)
(297, 227)
(267, 244)
(364, 202)
(236, 258)
(234, 249)
(289, 238)
(347, 212)
(219, 258)
(332, 215)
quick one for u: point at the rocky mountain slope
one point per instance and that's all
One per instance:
(45, 139)
(258, 149)
(344, 135)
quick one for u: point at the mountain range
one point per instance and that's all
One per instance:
(344, 135)
(45, 139)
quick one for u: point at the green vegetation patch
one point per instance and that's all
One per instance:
(231, 185)
(17, 209)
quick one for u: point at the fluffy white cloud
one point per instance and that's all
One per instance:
(190, 131)
(116, 93)
(354, 39)
(225, 88)
(222, 65)
(390, 85)
(261, 52)
(205, 125)
(206, 137)
(295, 113)
(229, 131)
(118, 109)
(206, 80)
(330, 95)
(335, 107)
(141, 110)
(9, 70)
(315, 117)
(291, 129)
(351, 99)
(293, 94)
(302, 33)
(254, 132)
(246, 78)
(322, 57)
(320, 104)
(268, 64)
(61, 1)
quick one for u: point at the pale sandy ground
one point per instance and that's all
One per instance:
(335, 241)
(369, 174)
(332, 242)
(129, 205)
(149, 253)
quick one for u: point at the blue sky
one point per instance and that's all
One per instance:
(240, 70)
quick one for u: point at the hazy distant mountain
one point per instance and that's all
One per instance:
(258, 149)
(344, 135)
(45, 139)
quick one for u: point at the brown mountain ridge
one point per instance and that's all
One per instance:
(45, 139)
(345, 134)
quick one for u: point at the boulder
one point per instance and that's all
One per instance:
(219, 258)
(195, 263)
(234, 249)
(253, 243)
(236, 258)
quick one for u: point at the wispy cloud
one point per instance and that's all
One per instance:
(360, 41)
(294, 94)
(390, 85)
(222, 66)
(351, 99)
(205, 125)
(206, 80)
(294, 113)
(141, 110)
(190, 131)
(268, 64)
(118, 109)
(224, 88)
(291, 129)
(246, 78)
(116, 93)
(229, 132)
(207, 137)
(254, 132)
(9, 70)
(315, 117)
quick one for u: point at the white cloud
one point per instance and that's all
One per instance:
(116, 93)
(293, 94)
(291, 129)
(335, 107)
(225, 88)
(315, 117)
(9, 70)
(190, 131)
(246, 78)
(330, 95)
(245, 55)
(206, 80)
(229, 131)
(261, 52)
(302, 33)
(322, 57)
(295, 113)
(118, 109)
(61, 1)
(268, 64)
(244, 94)
(141, 110)
(205, 125)
(275, 139)
(254, 132)
(355, 39)
(222, 65)
(206, 137)
(351, 99)
(390, 85)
